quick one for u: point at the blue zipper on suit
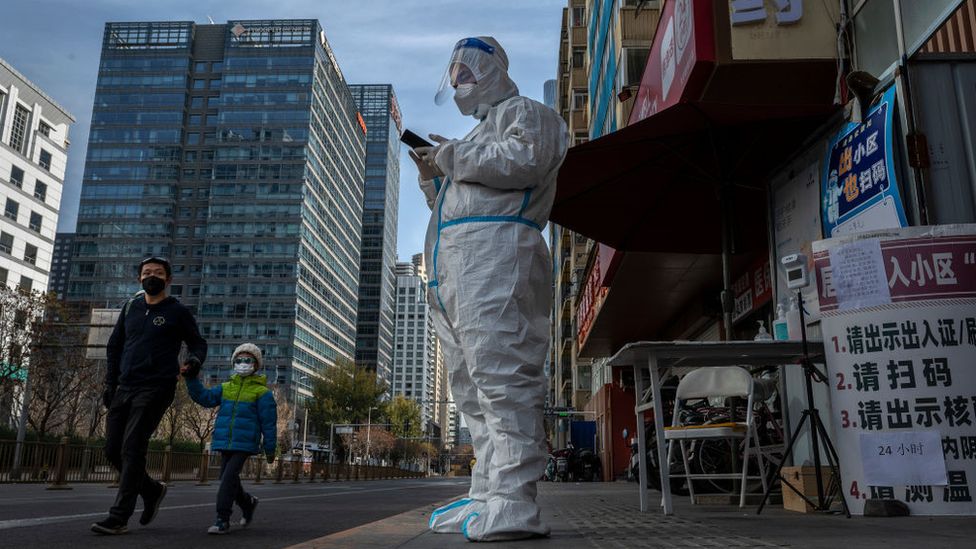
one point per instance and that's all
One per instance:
(441, 224)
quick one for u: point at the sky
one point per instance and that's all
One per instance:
(56, 44)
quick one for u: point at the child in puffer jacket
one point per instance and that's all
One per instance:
(247, 413)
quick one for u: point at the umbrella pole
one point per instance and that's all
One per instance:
(725, 201)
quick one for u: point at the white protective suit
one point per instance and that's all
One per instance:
(490, 292)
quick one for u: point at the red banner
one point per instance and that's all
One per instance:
(917, 269)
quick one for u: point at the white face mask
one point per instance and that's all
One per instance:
(466, 98)
(244, 368)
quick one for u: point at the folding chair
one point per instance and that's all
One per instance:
(708, 382)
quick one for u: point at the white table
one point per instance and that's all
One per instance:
(665, 358)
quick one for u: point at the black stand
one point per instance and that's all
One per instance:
(818, 432)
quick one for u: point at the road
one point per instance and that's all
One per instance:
(31, 516)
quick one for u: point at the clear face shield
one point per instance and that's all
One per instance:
(464, 67)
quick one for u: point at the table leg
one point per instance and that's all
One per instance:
(662, 454)
(641, 438)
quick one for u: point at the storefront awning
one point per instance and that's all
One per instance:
(654, 186)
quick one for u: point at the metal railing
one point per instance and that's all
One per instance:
(61, 463)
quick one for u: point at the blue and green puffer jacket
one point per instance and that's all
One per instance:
(247, 411)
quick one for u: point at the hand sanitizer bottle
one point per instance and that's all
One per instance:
(780, 331)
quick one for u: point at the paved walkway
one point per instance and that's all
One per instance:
(605, 515)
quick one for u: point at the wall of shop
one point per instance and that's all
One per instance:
(945, 103)
(612, 407)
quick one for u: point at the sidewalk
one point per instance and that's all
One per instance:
(605, 515)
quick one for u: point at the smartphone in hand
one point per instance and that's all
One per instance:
(413, 140)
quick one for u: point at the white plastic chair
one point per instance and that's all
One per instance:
(718, 381)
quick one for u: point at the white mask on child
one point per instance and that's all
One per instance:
(244, 365)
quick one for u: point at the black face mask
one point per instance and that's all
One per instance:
(153, 285)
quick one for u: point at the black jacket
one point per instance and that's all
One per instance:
(145, 345)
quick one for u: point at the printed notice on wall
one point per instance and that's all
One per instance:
(901, 375)
(903, 458)
(859, 275)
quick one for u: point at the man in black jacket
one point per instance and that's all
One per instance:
(143, 368)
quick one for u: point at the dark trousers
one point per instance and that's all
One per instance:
(132, 418)
(231, 491)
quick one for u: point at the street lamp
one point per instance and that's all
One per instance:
(295, 414)
(369, 429)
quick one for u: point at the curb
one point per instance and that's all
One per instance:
(392, 531)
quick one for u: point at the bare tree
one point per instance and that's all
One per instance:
(19, 313)
(286, 413)
(381, 442)
(173, 423)
(85, 399)
(60, 373)
(198, 422)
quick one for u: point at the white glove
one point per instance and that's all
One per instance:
(424, 160)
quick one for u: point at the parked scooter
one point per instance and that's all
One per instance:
(572, 465)
(550, 472)
(590, 468)
(563, 464)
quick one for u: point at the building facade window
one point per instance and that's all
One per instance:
(18, 132)
(35, 222)
(45, 160)
(634, 60)
(44, 129)
(30, 254)
(11, 209)
(579, 16)
(579, 99)
(40, 191)
(6, 242)
(579, 58)
(17, 176)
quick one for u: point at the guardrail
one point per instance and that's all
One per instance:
(61, 463)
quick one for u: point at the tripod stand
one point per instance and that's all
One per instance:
(818, 432)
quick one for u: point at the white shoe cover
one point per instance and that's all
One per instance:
(449, 518)
(499, 526)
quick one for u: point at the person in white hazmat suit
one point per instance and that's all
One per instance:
(490, 284)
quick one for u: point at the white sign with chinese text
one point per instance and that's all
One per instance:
(898, 369)
(903, 458)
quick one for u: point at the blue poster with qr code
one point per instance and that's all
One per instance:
(860, 189)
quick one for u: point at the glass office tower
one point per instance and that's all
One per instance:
(235, 150)
(377, 277)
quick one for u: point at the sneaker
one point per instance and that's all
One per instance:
(247, 515)
(219, 527)
(110, 527)
(152, 505)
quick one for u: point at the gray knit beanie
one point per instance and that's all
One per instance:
(251, 349)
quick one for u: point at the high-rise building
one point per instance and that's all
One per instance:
(377, 280)
(33, 156)
(61, 264)
(235, 150)
(442, 394)
(415, 343)
(549, 93)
